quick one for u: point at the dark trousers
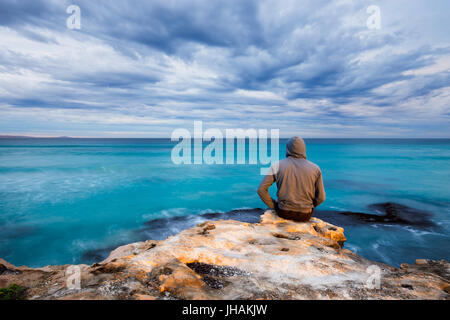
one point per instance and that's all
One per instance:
(293, 215)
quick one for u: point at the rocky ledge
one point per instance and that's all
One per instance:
(226, 259)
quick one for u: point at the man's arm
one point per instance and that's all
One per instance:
(263, 190)
(320, 191)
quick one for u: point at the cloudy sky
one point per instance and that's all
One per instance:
(145, 68)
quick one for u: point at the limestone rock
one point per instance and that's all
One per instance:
(226, 259)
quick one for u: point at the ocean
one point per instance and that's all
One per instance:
(69, 201)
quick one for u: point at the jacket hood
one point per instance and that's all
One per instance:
(296, 148)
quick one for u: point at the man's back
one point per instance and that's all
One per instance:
(299, 181)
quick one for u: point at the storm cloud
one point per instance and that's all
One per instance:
(145, 68)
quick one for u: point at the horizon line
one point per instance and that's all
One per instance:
(19, 136)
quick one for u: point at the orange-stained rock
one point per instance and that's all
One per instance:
(226, 259)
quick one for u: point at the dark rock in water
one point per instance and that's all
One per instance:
(386, 213)
(398, 213)
(243, 215)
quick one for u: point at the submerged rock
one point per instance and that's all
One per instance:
(401, 214)
(228, 259)
(385, 213)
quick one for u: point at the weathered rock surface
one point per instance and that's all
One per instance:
(226, 259)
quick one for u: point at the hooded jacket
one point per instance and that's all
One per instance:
(299, 181)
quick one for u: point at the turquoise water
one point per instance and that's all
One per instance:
(62, 197)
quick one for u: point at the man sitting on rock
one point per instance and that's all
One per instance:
(299, 184)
